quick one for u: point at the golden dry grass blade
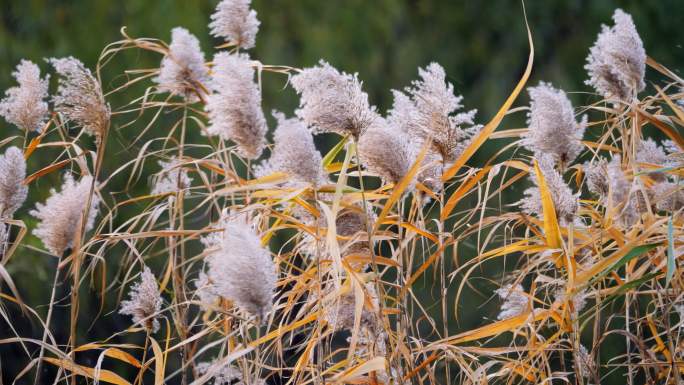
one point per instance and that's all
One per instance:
(494, 123)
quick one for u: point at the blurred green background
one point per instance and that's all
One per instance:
(481, 44)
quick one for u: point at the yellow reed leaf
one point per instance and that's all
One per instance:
(79, 370)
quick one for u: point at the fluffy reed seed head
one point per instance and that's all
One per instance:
(617, 61)
(552, 126)
(385, 151)
(668, 196)
(565, 202)
(173, 177)
(234, 21)
(352, 224)
(435, 113)
(60, 216)
(584, 363)
(145, 301)
(4, 238)
(578, 300)
(182, 71)
(79, 96)
(515, 301)
(351, 228)
(234, 106)
(13, 191)
(339, 310)
(242, 270)
(221, 374)
(294, 153)
(333, 101)
(205, 292)
(652, 154)
(609, 182)
(25, 105)
(596, 177)
(404, 117)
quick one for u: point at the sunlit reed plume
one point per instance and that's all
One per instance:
(333, 101)
(552, 128)
(79, 97)
(617, 60)
(234, 105)
(13, 191)
(234, 21)
(145, 302)
(294, 153)
(60, 216)
(25, 105)
(182, 71)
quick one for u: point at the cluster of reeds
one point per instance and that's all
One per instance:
(250, 262)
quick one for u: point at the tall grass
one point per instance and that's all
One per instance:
(300, 267)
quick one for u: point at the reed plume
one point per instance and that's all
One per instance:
(79, 97)
(182, 71)
(13, 191)
(25, 105)
(617, 60)
(333, 101)
(60, 216)
(145, 302)
(234, 106)
(234, 21)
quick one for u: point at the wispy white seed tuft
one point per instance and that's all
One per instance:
(79, 96)
(515, 301)
(552, 128)
(145, 302)
(565, 202)
(404, 116)
(584, 363)
(234, 106)
(224, 374)
(339, 309)
(206, 294)
(578, 300)
(294, 153)
(385, 151)
(352, 225)
(435, 113)
(351, 229)
(333, 101)
(25, 105)
(668, 196)
(653, 155)
(60, 216)
(596, 176)
(616, 190)
(234, 21)
(173, 177)
(242, 270)
(617, 61)
(182, 71)
(13, 192)
(671, 147)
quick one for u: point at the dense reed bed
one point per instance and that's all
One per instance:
(254, 258)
